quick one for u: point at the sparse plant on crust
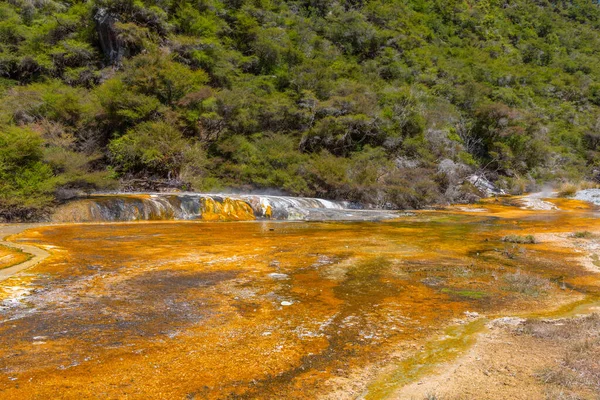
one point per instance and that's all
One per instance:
(527, 239)
(529, 285)
(581, 235)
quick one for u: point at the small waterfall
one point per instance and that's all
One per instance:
(290, 208)
(190, 206)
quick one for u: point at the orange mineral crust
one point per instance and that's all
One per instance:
(211, 310)
(10, 257)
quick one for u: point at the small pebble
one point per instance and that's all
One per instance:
(278, 276)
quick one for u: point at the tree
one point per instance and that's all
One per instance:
(157, 148)
(26, 182)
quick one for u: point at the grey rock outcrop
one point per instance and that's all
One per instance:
(486, 187)
(111, 45)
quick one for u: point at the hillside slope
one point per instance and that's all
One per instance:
(390, 103)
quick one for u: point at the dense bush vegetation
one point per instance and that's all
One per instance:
(390, 102)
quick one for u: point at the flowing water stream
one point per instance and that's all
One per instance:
(177, 306)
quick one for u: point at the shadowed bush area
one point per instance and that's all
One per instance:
(388, 103)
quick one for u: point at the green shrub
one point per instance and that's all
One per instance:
(122, 107)
(26, 183)
(581, 235)
(265, 161)
(157, 148)
(157, 75)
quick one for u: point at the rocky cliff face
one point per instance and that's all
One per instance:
(112, 47)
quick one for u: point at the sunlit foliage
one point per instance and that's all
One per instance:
(391, 103)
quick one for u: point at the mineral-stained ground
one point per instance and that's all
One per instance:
(289, 310)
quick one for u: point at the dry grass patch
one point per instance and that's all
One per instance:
(529, 285)
(562, 394)
(579, 366)
(513, 251)
(527, 239)
(569, 189)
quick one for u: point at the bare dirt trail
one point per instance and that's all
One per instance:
(37, 253)
(503, 363)
(506, 362)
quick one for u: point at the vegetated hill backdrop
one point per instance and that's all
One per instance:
(387, 102)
